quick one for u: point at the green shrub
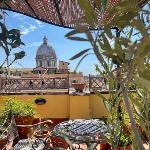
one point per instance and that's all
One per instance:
(19, 107)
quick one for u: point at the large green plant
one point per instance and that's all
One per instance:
(9, 40)
(121, 44)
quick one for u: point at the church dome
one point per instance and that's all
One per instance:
(45, 50)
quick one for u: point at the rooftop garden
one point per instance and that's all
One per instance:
(120, 40)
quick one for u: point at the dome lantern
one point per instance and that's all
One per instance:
(45, 40)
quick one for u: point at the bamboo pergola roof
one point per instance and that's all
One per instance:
(58, 12)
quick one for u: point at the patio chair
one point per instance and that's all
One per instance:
(13, 135)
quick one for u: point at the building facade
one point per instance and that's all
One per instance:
(46, 59)
(63, 67)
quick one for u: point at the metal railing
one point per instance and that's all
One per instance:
(28, 84)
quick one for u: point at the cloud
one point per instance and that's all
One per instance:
(25, 31)
(33, 44)
(28, 29)
(33, 27)
(39, 23)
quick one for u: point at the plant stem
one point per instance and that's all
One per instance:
(133, 124)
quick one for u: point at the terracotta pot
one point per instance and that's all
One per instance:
(24, 131)
(35, 121)
(105, 146)
(78, 86)
(58, 142)
(42, 134)
(3, 142)
(124, 148)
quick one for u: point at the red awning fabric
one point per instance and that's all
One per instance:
(58, 12)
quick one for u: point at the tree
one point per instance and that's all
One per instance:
(126, 62)
(9, 39)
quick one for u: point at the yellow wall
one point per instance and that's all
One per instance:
(97, 108)
(65, 106)
(79, 107)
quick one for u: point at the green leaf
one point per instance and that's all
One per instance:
(82, 60)
(14, 31)
(78, 39)
(19, 55)
(98, 69)
(106, 42)
(130, 33)
(22, 43)
(1, 17)
(143, 82)
(90, 15)
(104, 3)
(80, 54)
(128, 55)
(73, 32)
(16, 44)
(107, 30)
(4, 33)
(145, 74)
(143, 44)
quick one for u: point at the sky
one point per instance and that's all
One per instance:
(33, 31)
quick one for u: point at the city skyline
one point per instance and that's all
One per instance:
(33, 31)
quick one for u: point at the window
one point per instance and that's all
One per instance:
(40, 63)
(48, 63)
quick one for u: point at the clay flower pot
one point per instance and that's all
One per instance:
(24, 131)
(78, 86)
(58, 142)
(128, 147)
(3, 142)
(105, 146)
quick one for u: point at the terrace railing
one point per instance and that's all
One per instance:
(19, 84)
(96, 83)
(32, 84)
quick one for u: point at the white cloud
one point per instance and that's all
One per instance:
(39, 23)
(33, 44)
(27, 24)
(28, 29)
(33, 27)
(25, 31)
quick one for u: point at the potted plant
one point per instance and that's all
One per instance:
(3, 139)
(124, 143)
(24, 113)
(78, 86)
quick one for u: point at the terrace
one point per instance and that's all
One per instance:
(100, 112)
